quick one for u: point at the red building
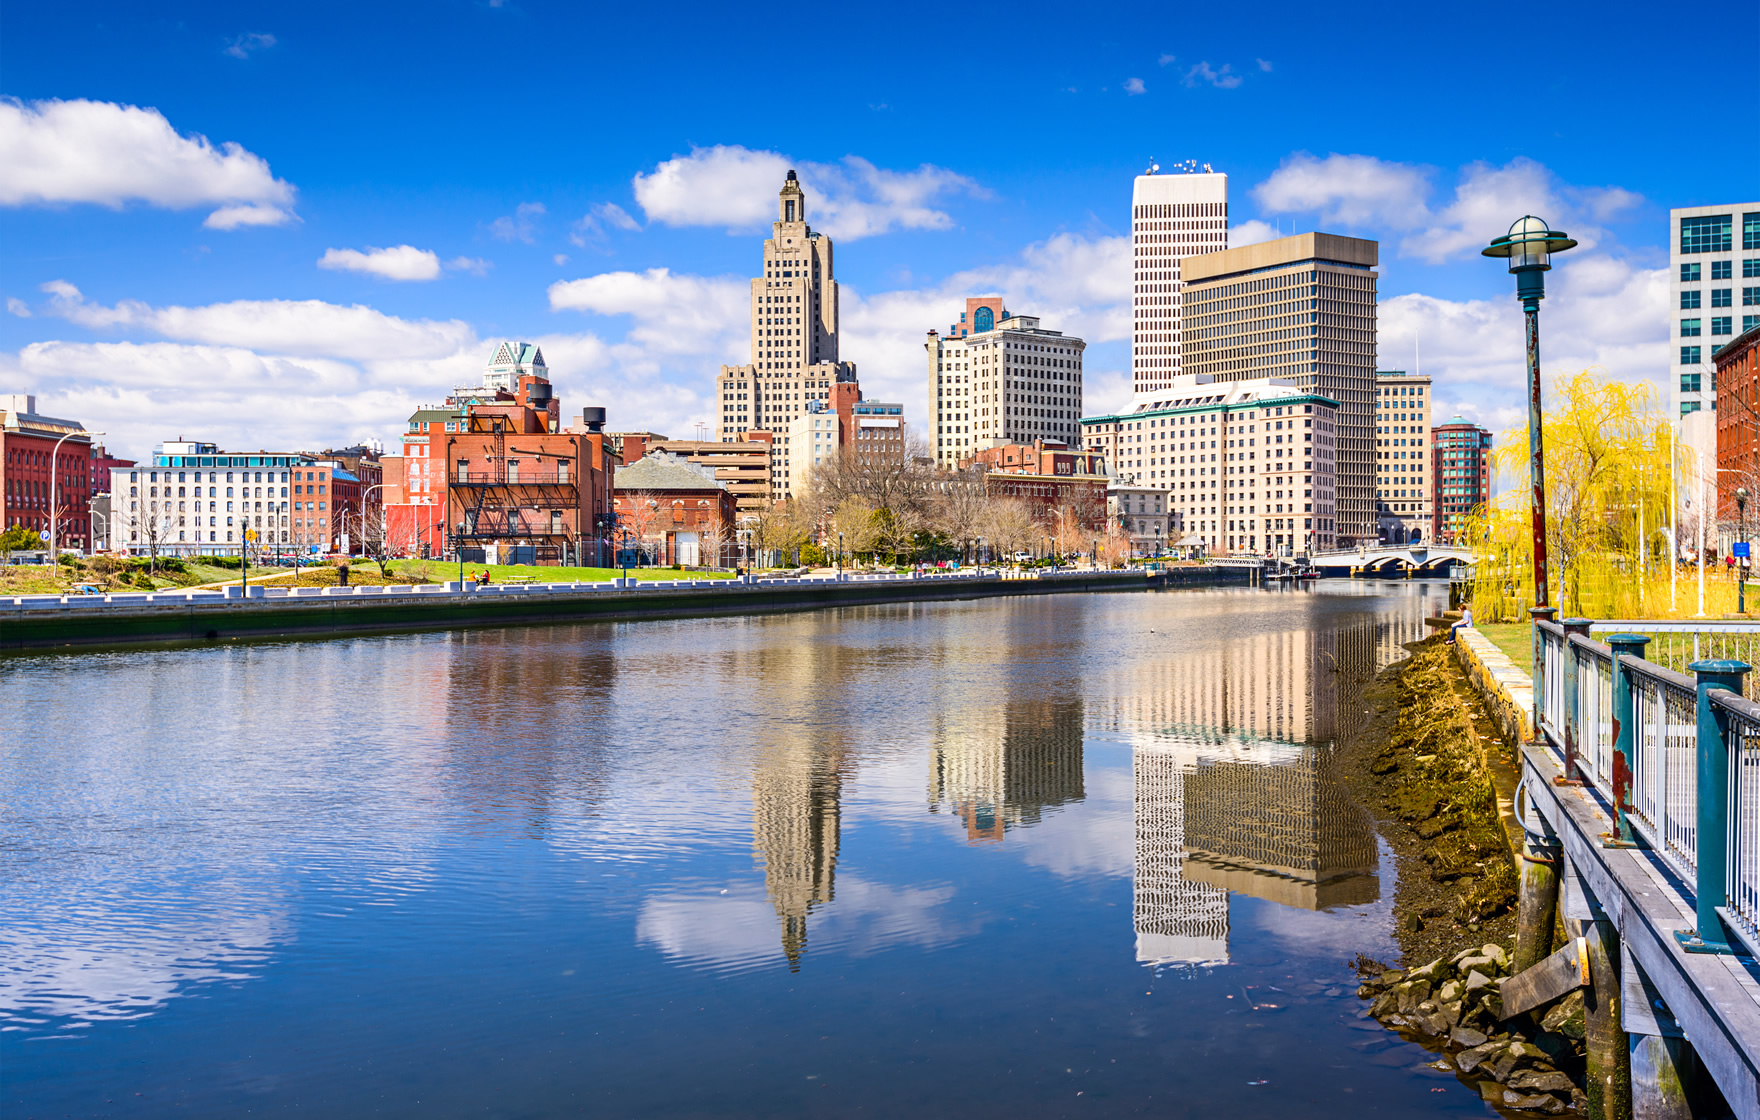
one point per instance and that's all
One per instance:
(46, 472)
(1049, 476)
(1460, 477)
(674, 511)
(102, 464)
(1738, 433)
(496, 472)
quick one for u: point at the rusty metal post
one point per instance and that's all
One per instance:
(1536, 449)
(1625, 748)
(1573, 695)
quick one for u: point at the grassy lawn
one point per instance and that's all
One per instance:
(1515, 639)
(43, 579)
(440, 571)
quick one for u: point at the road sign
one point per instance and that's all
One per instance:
(250, 535)
(1739, 548)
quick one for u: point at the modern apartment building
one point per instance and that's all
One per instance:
(1183, 214)
(1248, 466)
(40, 482)
(1403, 509)
(1300, 309)
(1461, 469)
(1714, 292)
(794, 329)
(998, 378)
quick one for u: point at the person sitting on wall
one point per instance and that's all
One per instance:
(483, 577)
(1466, 621)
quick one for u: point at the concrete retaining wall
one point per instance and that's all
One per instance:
(1508, 693)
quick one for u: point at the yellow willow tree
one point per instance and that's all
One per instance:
(1608, 452)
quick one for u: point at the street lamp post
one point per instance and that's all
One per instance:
(1742, 553)
(839, 553)
(1529, 246)
(54, 497)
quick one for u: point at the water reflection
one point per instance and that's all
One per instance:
(796, 827)
(1002, 768)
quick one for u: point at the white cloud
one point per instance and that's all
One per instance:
(1167, 58)
(520, 225)
(672, 314)
(243, 45)
(735, 188)
(1264, 66)
(1134, 86)
(1251, 232)
(18, 307)
(559, 259)
(1347, 190)
(476, 266)
(304, 327)
(598, 217)
(400, 262)
(1600, 311)
(1358, 191)
(99, 152)
(1224, 78)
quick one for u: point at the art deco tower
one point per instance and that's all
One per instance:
(794, 329)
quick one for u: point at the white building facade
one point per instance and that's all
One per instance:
(1249, 467)
(1403, 474)
(192, 499)
(1714, 292)
(998, 378)
(1182, 214)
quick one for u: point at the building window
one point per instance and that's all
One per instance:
(1720, 297)
(1751, 231)
(1710, 234)
(1689, 328)
(1720, 324)
(1749, 322)
(1751, 297)
(1690, 273)
(1689, 383)
(1751, 268)
(1689, 406)
(1720, 270)
(1689, 355)
(1690, 299)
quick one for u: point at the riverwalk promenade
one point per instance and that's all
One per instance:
(254, 611)
(1640, 799)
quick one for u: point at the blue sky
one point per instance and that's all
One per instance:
(597, 179)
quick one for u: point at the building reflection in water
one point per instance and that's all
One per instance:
(796, 819)
(1001, 769)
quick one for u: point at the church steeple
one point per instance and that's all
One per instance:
(792, 201)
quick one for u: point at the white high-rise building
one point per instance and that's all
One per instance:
(1180, 214)
(1714, 292)
(996, 378)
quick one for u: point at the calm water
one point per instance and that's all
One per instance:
(1078, 856)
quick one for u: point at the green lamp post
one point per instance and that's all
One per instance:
(1529, 246)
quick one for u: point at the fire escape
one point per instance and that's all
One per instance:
(531, 496)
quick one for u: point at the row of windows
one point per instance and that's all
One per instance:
(1720, 270)
(1720, 325)
(1720, 297)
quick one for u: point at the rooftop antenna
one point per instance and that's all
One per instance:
(1153, 166)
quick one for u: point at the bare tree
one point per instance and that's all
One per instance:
(712, 540)
(857, 527)
(784, 527)
(958, 508)
(1008, 525)
(641, 514)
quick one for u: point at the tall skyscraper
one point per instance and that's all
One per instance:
(1300, 309)
(1402, 456)
(998, 378)
(794, 328)
(1182, 214)
(1705, 291)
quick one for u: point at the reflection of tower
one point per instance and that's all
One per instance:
(796, 794)
(1176, 919)
(1286, 832)
(1003, 774)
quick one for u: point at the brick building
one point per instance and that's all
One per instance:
(192, 499)
(1738, 423)
(496, 472)
(40, 483)
(1047, 474)
(674, 511)
(1460, 468)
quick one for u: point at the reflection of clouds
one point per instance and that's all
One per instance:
(1096, 841)
(1367, 927)
(737, 929)
(131, 963)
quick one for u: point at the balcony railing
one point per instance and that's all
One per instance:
(513, 478)
(1676, 757)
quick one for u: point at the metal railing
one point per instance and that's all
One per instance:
(1675, 645)
(512, 478)
(1675, 757)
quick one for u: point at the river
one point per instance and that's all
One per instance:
(1078, 855)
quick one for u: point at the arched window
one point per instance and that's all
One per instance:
(984, 320)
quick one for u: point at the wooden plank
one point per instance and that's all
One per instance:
(1562, 972)
(1641, 1007)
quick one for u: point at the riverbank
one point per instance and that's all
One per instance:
(44, 622)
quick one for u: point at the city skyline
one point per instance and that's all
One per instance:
(320, 276)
